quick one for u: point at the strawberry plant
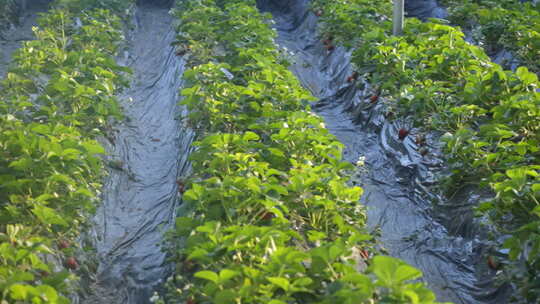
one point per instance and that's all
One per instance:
(491, 117)
(57, 95)
(508, 24)
(269, 216)
(343, 18)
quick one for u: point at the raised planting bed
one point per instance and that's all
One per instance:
(269, 216)
(490, 116)
(511, 25)
(56, 98)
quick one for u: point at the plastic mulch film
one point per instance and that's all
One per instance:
(440, 237)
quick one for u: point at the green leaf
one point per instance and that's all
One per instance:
(303, 282)
(519, 175)
(384, 268)
(184, 225)
(197, 254)
(93, 147)
(226, 296)
(334, 252)
(357, 278)
(41, 129)
(48, 293)
(22, 275)
(207, 275)
(413, 297)
(21, 164)
(406, 272)
(44, 198)
(71, 152)
(276, 152)
(536, 211)
(250, 136)
(19, 292)
(85, 192)
(61, 85)
(283, 283)
(526, 76)
(226, 274)
(314, 235)
(48, 216)
(56, 278)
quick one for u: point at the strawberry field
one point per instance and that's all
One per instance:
(242, 151)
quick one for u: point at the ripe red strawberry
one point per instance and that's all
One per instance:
(43, 273)
(373, 99)
(353, 77)
(63, 244)
(330, 48)
(181, 186)
(72, 263)
(403, 133)
(190, 301)
(492, 263)
(267, 216)
(364, 254)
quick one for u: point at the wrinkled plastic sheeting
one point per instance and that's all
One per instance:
(148, 154)
(424, 9)
(440, 237)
